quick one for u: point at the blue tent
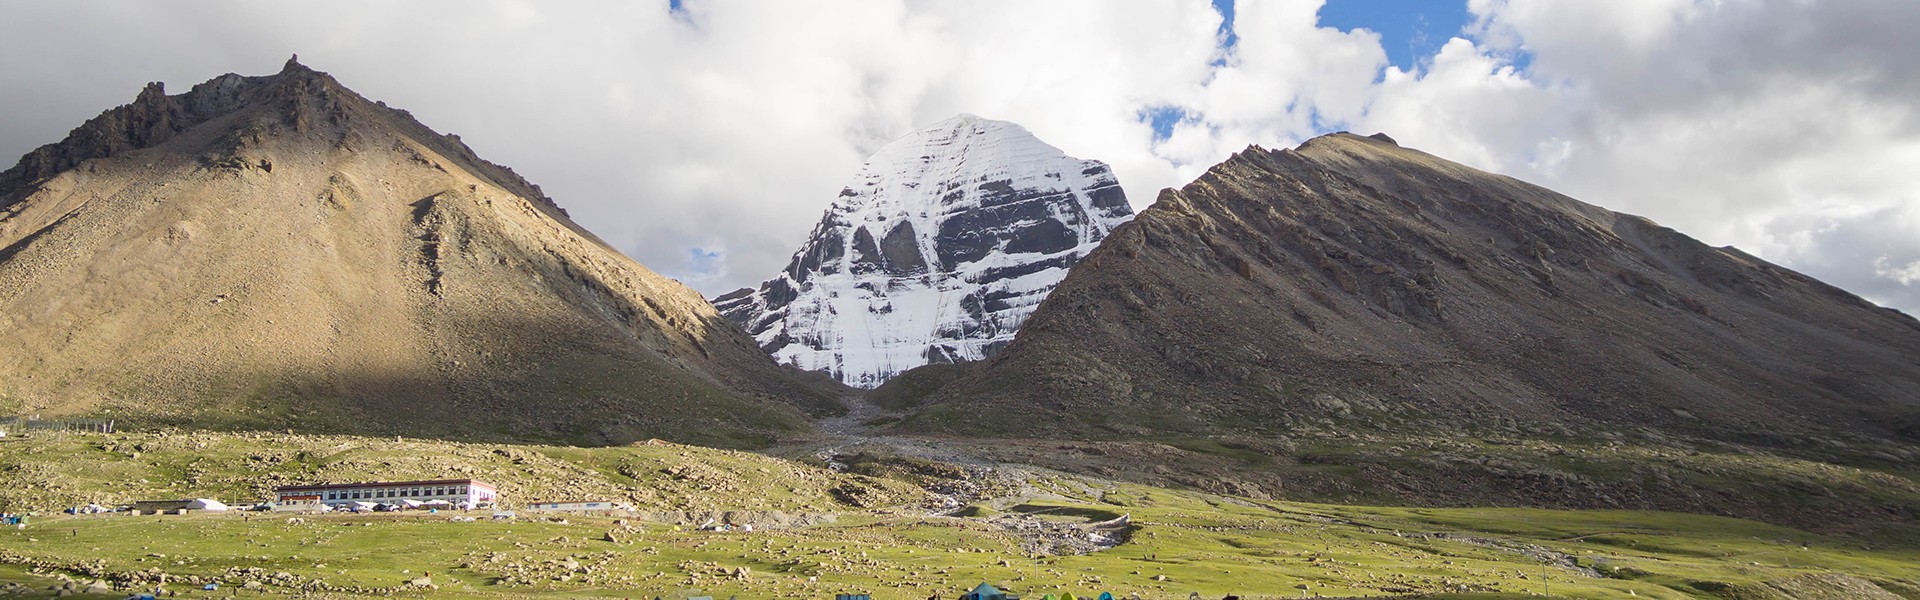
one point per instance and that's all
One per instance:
(1105, 596)
(985, 592)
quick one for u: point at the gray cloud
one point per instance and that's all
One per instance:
(706, 144)
(1872, 248)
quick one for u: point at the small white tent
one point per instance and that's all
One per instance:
(206, 504)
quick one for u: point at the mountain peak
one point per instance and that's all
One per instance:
(297, 77)
(153, 92)
(1353, 283)
(155, 117)
(935, 252)
(279, 242)
(965, 127)
(298, 100)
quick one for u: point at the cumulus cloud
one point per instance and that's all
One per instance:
(1905, 274)
(705, 141)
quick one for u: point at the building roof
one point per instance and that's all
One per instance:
(335, 486)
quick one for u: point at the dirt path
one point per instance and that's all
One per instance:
(854, 431)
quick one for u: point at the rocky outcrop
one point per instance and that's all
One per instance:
(935, 253)
(298, 94)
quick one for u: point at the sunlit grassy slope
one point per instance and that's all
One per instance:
(1183, 541)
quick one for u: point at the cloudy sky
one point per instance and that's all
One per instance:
(705, 137)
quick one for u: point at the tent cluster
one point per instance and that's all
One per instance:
(986, 591)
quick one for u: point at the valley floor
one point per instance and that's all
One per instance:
(907, 529)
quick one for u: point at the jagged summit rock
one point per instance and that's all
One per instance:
(1352, 283)
(298, 99)
(936, 252)
(279, 252)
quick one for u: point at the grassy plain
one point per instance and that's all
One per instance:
(882, 541)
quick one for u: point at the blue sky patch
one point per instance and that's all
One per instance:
(1225, 7)
(703, 263)
(1162, 119)
(1410, 30)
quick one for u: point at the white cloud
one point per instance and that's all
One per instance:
(1784, 127)
(1906, 274)
(707, 145)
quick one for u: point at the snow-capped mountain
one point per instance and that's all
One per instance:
(938, 250)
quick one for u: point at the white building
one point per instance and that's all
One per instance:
(453, 492)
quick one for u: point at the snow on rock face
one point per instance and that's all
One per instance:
(938, 250)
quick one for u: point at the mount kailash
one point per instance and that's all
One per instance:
(936, 252)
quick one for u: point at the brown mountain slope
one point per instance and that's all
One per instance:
(280, 252)
(1354, 284)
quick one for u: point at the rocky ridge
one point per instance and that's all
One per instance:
(1352, 282)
